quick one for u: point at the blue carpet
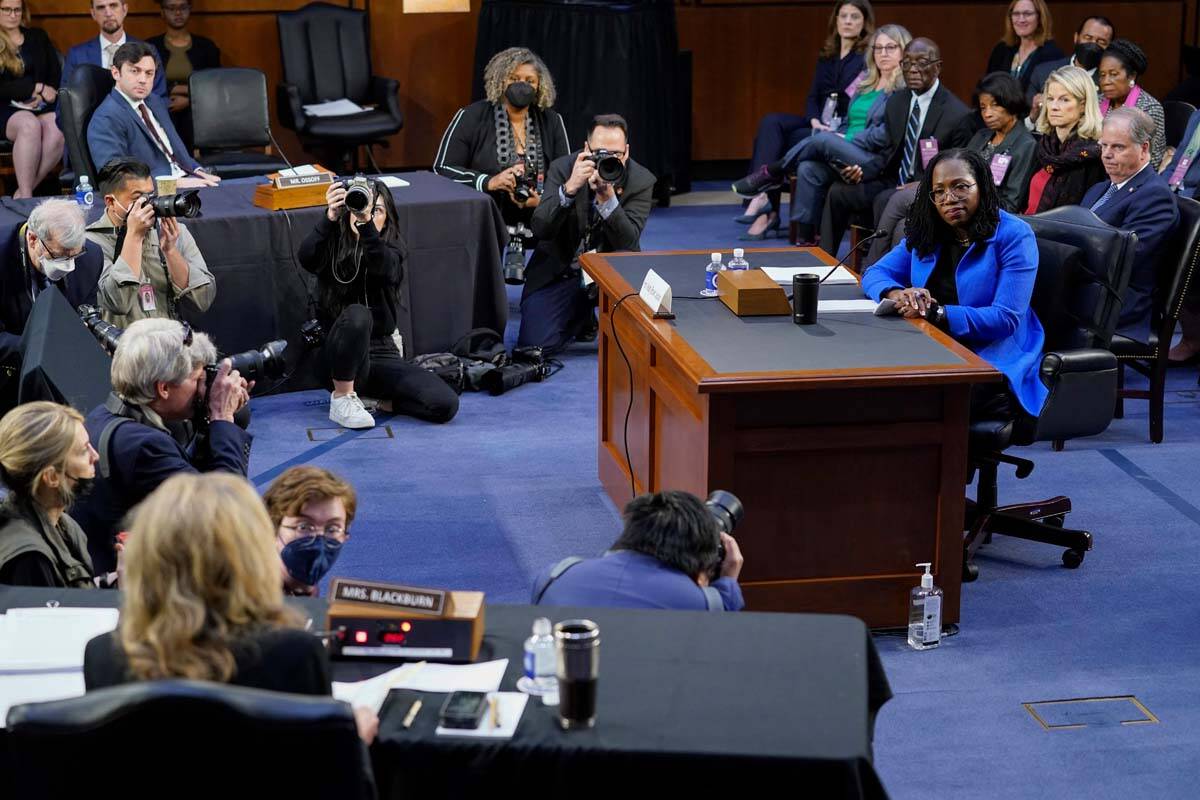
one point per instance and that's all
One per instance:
(510, 486)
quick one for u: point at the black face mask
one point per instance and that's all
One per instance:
(1087, 55)
(83, 486)
(520, 94)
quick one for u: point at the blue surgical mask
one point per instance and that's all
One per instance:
(308, 558)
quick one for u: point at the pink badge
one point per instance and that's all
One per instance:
(1000, 162)
(929, 149)
(146, 297)
(1180, 171)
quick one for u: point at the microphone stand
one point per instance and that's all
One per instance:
(853, 250)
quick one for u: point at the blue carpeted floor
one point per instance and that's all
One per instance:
(510, 486)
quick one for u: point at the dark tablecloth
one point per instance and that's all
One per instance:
(694, 701)
(454, 281)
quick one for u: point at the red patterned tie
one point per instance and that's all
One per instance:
(157, 140)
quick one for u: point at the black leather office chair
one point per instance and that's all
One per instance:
(1177, 276)
(1175, 119)
(191, 739)
(1083, 270)
(326, 54)
(78, 100)
(229, 114)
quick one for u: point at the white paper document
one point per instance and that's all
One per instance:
(784, 274)
(510, 706)
(423, 677)
(298, 171)
(38, 687)
(846, 306)
(333, 108)
(392, 182)
(50, 638)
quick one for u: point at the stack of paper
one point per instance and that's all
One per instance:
(333, 108)
(509, 708)
(423, 677)
(784, 274)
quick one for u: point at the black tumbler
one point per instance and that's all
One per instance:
(805, 288)
(578, 643)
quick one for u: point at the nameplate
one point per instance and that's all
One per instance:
(656, 293)
(408, 598)
(295, 181)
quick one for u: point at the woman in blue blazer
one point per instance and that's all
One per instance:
(969, 267)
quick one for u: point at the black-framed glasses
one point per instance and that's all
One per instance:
(957, 191)
(919, 63)
(12, 12)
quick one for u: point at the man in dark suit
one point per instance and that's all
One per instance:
(1136, 198)
(920, 120)
(51, 251)
(580, 212)
(132, 122)
(1095, 33)
(110, 17)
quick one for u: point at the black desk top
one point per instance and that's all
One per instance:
(732, 344)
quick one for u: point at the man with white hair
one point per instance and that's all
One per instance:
(1136, 198)
(158, 377)
(51, 252)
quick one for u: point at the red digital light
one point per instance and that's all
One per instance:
(406, 626)
(392, 637)
(360, 637)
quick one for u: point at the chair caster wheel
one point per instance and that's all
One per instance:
(970, 573)
(1072, 558)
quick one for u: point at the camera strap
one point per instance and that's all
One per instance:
(506, 155)
(124, 413)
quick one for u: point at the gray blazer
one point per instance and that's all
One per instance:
(1021, 146)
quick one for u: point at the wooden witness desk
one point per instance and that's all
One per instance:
(846, 440)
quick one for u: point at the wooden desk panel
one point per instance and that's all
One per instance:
(849, 477)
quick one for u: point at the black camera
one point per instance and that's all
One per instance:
(359, 193)
(105, 332)
(312, 333)
(529, 365)
(609, 165)
(186, 204)
(526, 185)
(253, 365)
(728, 512)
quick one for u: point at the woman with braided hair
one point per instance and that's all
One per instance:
(1120, 67)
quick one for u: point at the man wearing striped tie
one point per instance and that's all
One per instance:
(1136, 198)
(920, 120)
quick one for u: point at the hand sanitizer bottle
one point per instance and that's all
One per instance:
(925, 613)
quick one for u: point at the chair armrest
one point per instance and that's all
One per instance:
(290, 107)
(385, 93)
(1083, 394)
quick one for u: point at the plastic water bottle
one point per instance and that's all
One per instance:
(829, 111)
(739, 260)
(541, 658)
(925, 613)
(710, 276)
(83, 193)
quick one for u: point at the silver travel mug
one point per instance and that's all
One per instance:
(578, 645)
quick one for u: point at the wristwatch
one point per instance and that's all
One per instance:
(936, 315)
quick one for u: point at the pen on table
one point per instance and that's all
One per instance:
(412, 713)
(495, 713)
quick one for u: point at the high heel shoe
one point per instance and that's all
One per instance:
(770, 232)
(748, 219)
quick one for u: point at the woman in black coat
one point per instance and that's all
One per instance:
(1026, 41)
(182, 53)
(1067, 161)
(29, 78)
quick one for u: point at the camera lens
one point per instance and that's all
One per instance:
(610, 169)
(185, 205)
(726, 509)
(358, 194)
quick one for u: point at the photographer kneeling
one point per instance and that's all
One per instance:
(158, 376)
(668, 556)
(358, 257)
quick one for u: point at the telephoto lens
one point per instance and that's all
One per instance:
(105, 332)
(358, 194)
(185, 205)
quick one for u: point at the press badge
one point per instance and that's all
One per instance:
(1181, 170)
(929, 149)
(146, 297)
(1000, 162)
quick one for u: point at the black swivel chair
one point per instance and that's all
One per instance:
(188, 739)
(1175, 119)
(326, 54)
(229, 114)
(78, 100)
(1177, 276)
(1083, 270)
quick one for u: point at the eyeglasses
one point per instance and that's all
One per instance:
(885, 48)
(308, 529)
(956, 191)
(12, 12)
(919, 63)
(177, 8)
(187, 333)
(1023, 14)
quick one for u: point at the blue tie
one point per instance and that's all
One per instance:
(1104, 198)
(910, 143)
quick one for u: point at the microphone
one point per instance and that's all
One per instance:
(861, 242)
(278, 149)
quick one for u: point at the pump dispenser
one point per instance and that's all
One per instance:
(925, 613)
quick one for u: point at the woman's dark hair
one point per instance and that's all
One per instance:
(1130, 55)
(673, 527)
(925, 229)
(1005, 90)
(832, 48)
(347, 241)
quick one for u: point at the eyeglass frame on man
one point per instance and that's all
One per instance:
(921, 64)
(332, 531)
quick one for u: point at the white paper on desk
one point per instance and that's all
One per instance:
(392, 182)
(38, 688)
(784, 274)
(50, 638)
(846, 306)
(510, 708)
(296, 172)
(333, 108)
(423, 677)
(372, 692)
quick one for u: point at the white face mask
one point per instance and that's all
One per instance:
(55, 269)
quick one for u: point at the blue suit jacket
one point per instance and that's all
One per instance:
(89, 53)
(117, 130)
(1191, 178)
(1147, 207)
(995, 281)
(626, 579)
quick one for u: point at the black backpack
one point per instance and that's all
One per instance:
(446, 366)
(482, 344)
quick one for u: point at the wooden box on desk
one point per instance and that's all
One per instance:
(270, 196)
(752, 293)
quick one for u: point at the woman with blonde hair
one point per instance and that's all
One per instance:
(45, 459)
(1027, 41)
(203, 599)
(30, 74)
(1067, 162)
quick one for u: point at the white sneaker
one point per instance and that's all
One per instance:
(348, 412)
